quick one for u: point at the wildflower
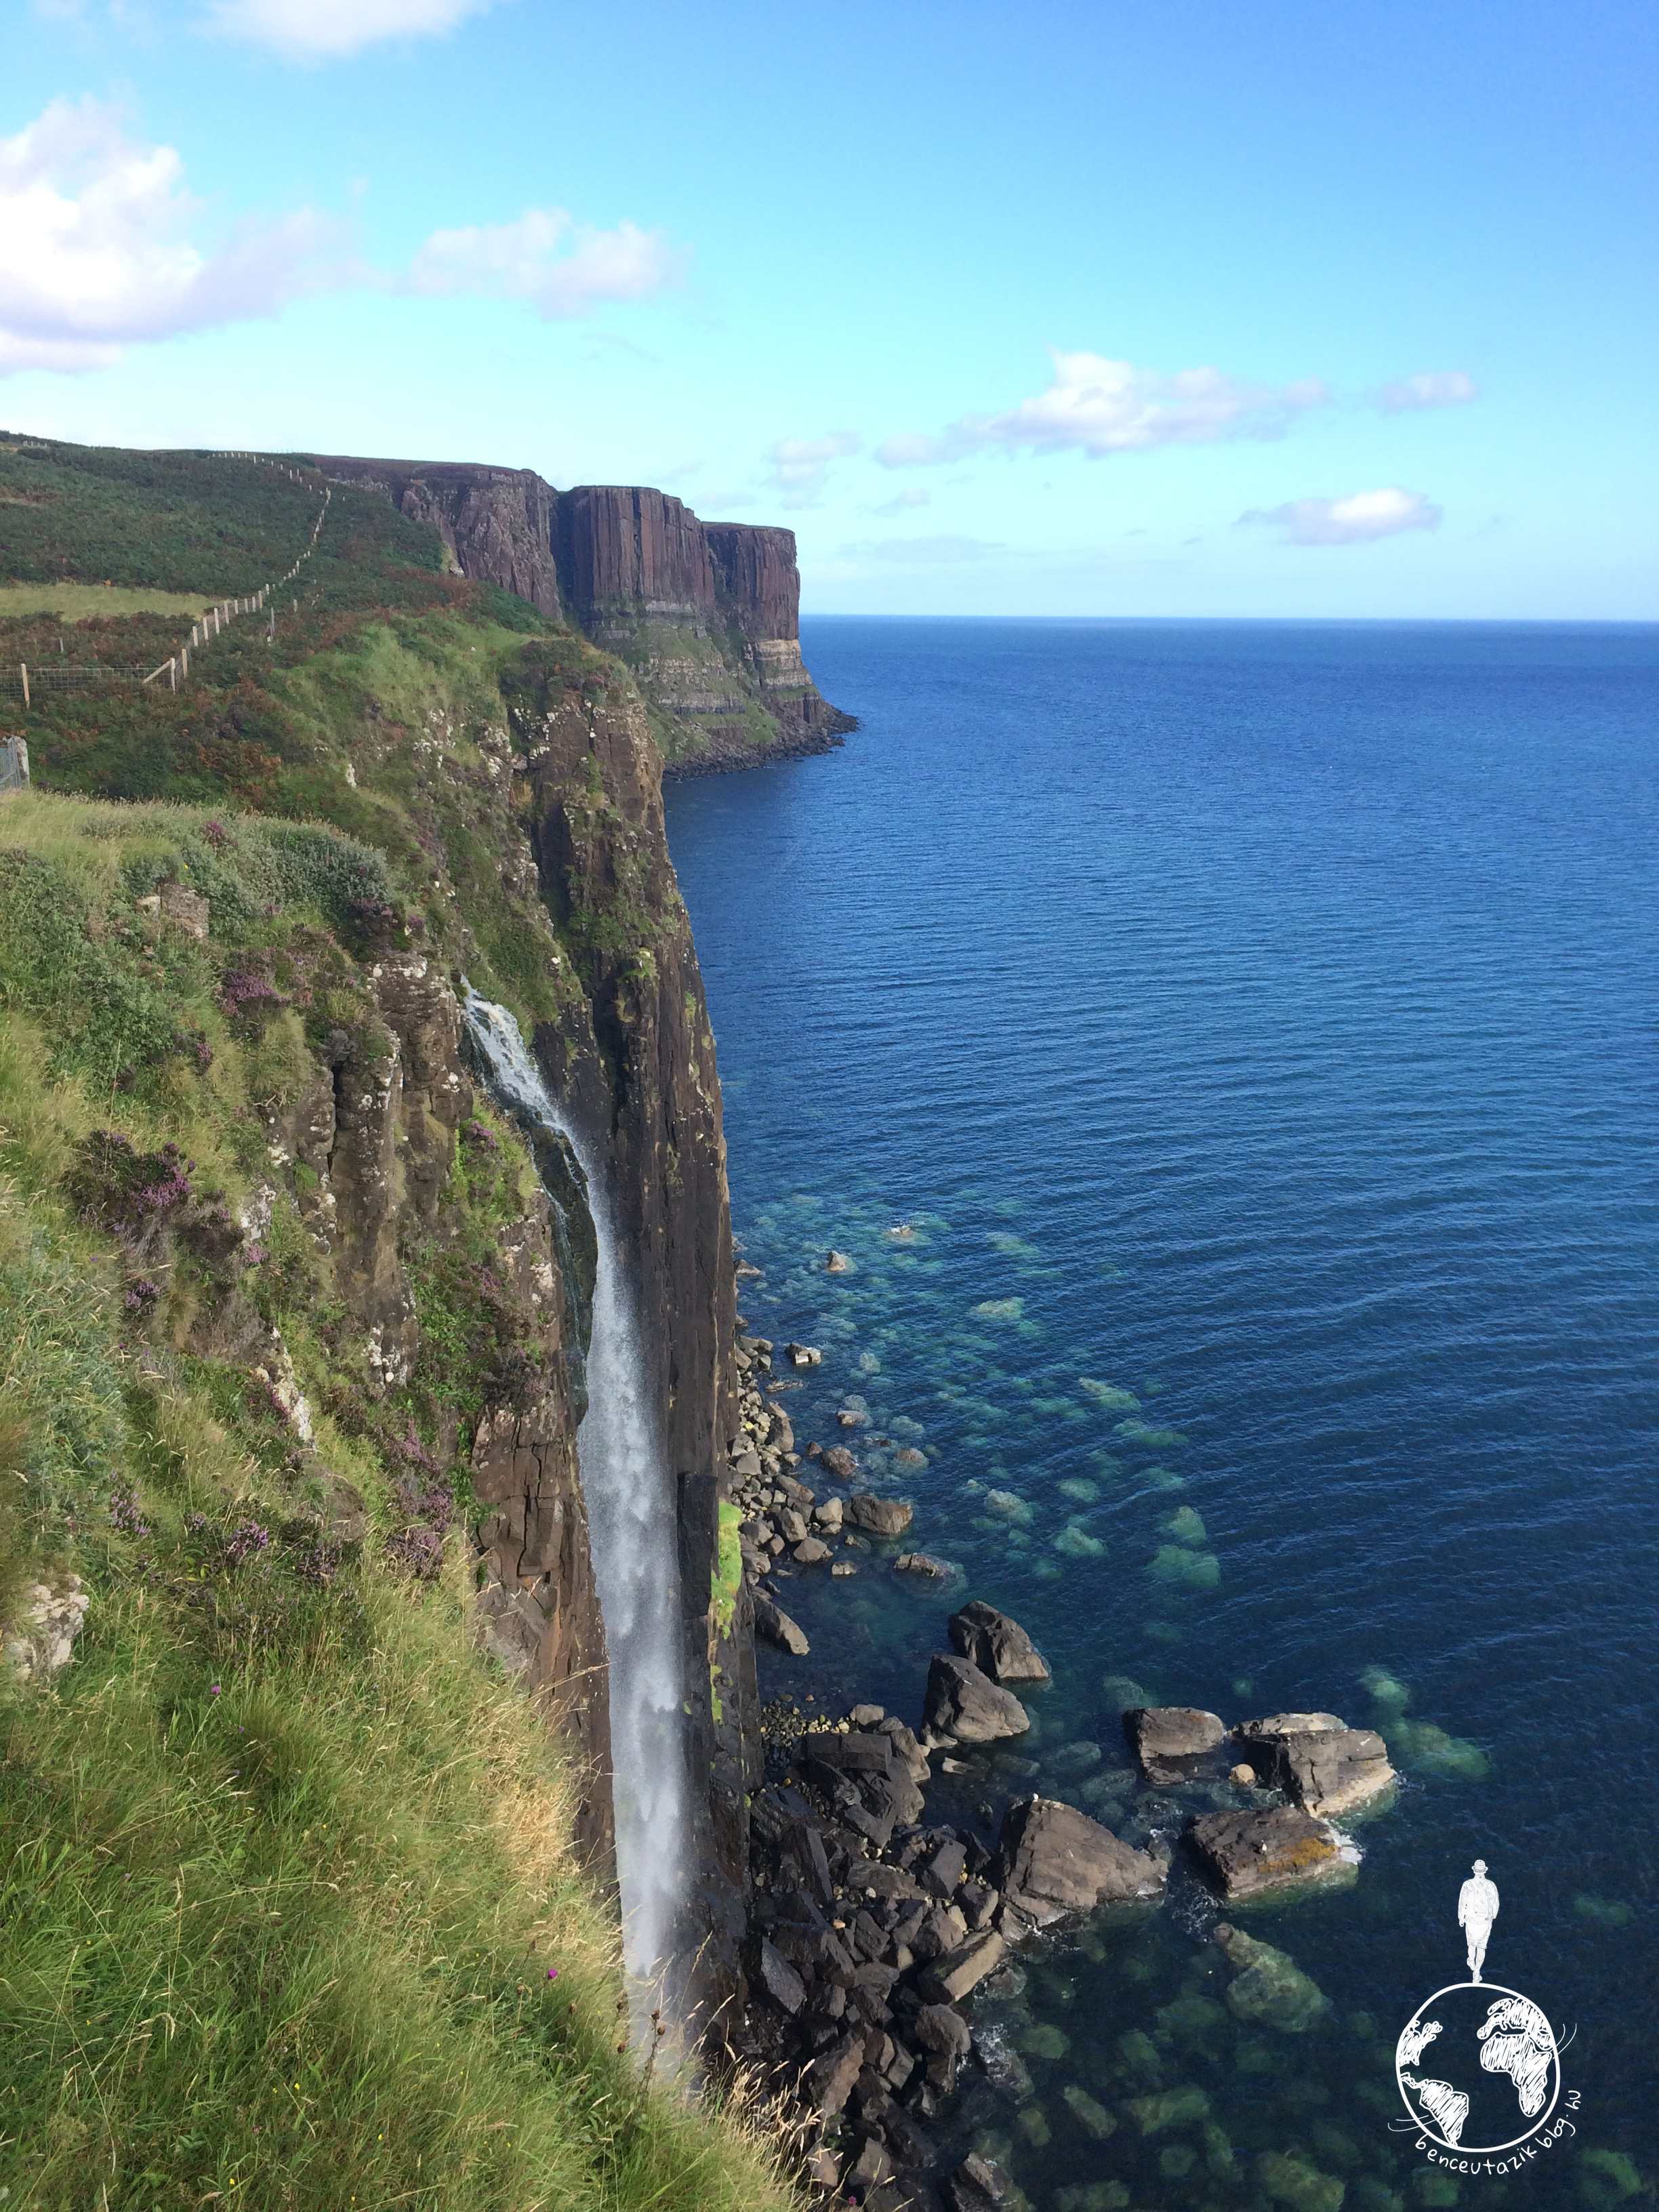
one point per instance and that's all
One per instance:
(552, 1973)
(214, 1691)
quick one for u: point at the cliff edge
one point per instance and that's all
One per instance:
(705, 615)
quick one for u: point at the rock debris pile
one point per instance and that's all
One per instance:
(870, 1926)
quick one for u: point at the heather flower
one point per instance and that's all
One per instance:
(246, 1542)
(126, 1515)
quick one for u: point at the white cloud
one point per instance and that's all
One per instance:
(912, 495)
(801, 466)
(1099, 406)
(99, 250)
(925, 551)
(1355, 519)
(563, 268)
(326, 30)
(95, 251)
(1435, 388)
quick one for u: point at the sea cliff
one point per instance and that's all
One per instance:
(705, 615)
(233, 1037)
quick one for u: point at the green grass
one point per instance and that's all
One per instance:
(186, 523)
(78, 603)
(277, 1924)
(284, 1860)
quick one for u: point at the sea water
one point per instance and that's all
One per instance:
(1253, 1026)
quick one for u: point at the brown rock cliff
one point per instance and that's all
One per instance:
(705, 615)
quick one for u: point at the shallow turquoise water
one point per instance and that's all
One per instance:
(1254, 1024)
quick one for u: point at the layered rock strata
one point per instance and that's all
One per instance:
(705, 615)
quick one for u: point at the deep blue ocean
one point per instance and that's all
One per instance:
(1254, 1024)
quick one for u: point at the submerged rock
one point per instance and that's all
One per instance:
(1180, 2107)
(1093, 2118)
(1269, 1988)
(1316, 1759)
(997, 1644)
(923, 1563)
(964, 1706)
(1174, 1742)
(1241, 1854)
(1053, 1860)
(1293, 2181)
(1122, 1693)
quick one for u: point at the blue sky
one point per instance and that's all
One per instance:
(1173, 307)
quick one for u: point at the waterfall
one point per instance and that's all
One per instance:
(631, 1527)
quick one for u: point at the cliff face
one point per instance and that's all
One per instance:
(495, 803)
(498, 523)
(638, 1077)
(626, 547)
(704, 615)
(757, 576)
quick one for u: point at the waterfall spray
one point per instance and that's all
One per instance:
(631, 1527)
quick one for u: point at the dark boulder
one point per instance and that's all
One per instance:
(954, 1973)
(1240, 1853)
(1054, 1860)
(881, 1517)
(840, 1461)
(915, 2150)
(850, 1751)
(828, 2082)
(1174, 1742)
(872, 2165)
(998, 1646)
(891, 1882)
(923, 1563)
(775, 1626)
(966, 1706)
(1316, 1759)
(975, 2185)
(774, 1974)
(942, 2030)
(869, 1778)
(945, 1868)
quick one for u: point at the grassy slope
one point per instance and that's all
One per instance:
(171, 522)
(282, 1858)
(75, 603)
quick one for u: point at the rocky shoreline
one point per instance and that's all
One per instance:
(870, 1926)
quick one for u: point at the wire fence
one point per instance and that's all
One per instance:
(21, 681)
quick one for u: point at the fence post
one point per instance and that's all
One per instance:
(23, 665)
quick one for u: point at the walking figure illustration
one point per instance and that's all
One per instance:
(1477, 1908)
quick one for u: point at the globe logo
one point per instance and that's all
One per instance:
(1478, 2065)
(1479, 2069)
